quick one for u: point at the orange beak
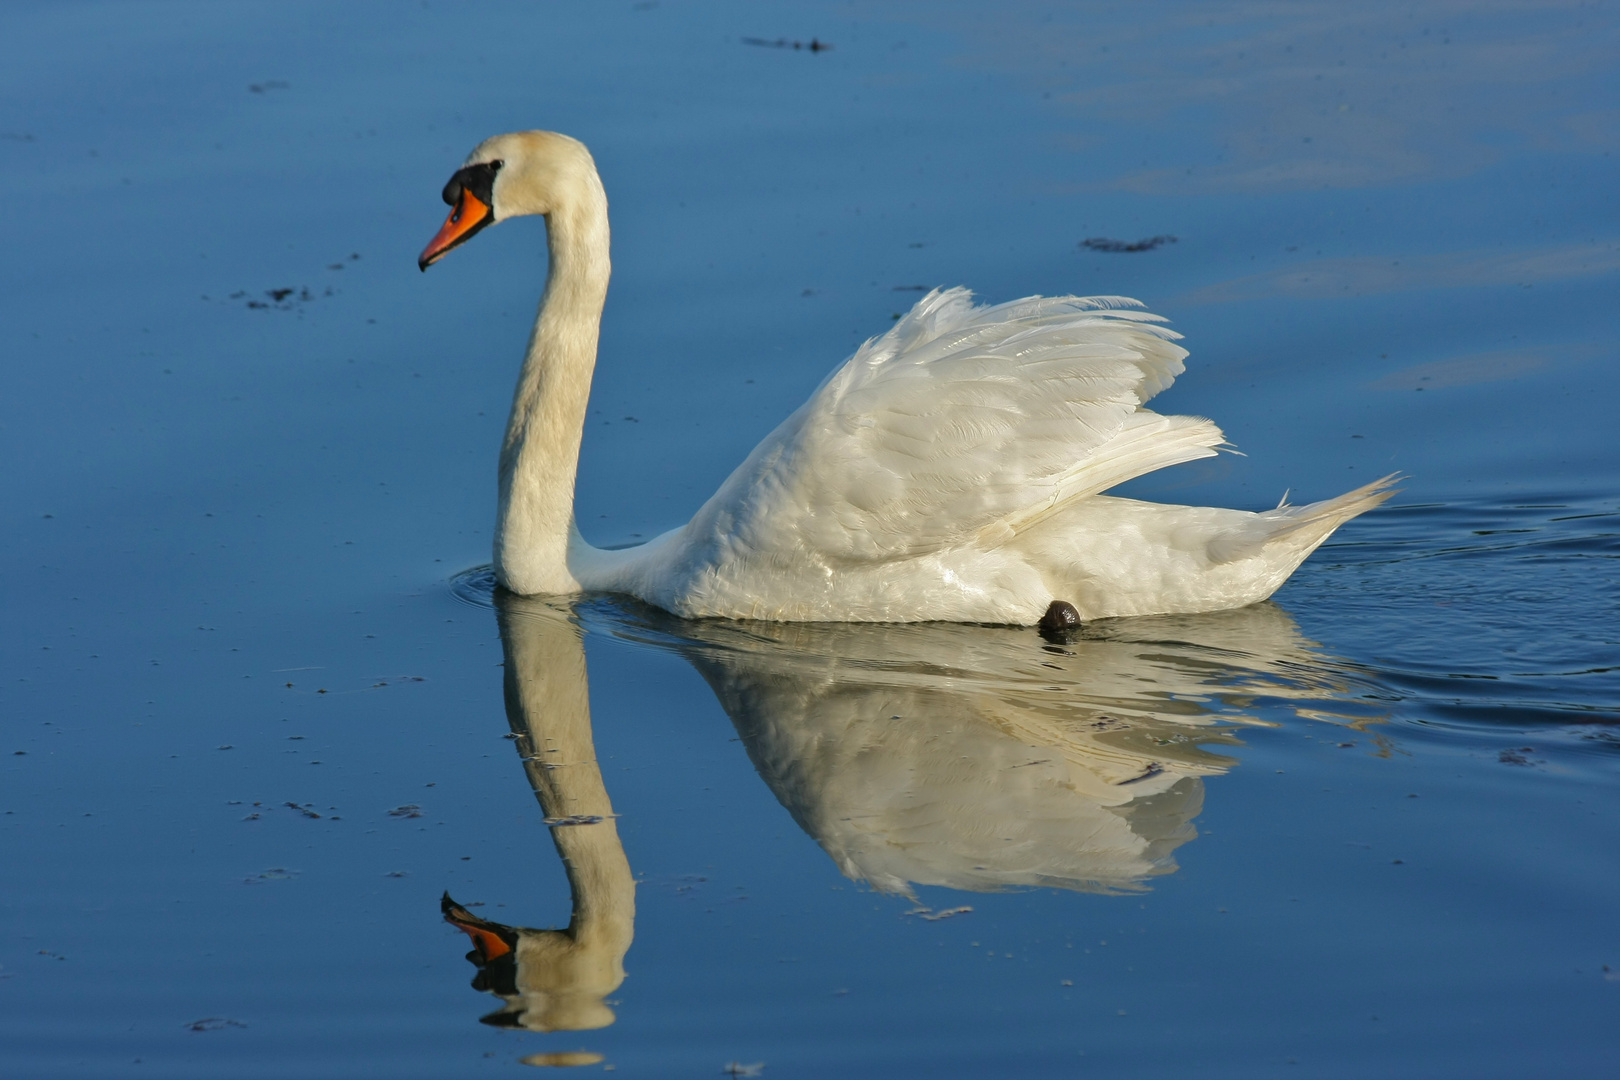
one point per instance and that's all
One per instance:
(470, 215)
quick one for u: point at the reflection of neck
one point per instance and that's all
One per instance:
(548, 706)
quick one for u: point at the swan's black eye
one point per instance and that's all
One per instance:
(497, 165)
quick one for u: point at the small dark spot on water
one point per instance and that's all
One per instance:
(813, 45)
(275, 873)
(1118, 247)
(213, 1023)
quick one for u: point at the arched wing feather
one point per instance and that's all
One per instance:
(958, 419)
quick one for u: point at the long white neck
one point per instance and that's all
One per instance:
(540, 456)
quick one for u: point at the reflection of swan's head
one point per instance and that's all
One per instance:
(526, 172)
(549, 983)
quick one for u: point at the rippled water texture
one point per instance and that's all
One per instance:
(275, 758)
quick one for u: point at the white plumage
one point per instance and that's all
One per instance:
(950, 469)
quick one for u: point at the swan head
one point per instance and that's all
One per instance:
(507, 176)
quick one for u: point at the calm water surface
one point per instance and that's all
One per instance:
(261, 710)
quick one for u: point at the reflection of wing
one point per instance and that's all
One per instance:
(978, 758)
(957, 419)
(904, 785)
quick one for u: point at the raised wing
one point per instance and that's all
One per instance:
(961, 424)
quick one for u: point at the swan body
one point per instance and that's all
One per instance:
(950, 470)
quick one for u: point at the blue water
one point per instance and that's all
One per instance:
(1366, 829)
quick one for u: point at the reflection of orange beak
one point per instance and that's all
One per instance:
(469, 215)
(487, 937)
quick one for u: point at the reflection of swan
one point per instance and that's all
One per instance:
(555, 980)
(950, 470)
(975, 757)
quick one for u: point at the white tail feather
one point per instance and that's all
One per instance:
(1303, 527)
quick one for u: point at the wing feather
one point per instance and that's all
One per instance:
(962, 424)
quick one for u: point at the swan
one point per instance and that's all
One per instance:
(950, 470)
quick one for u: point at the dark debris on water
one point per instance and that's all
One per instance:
(288, 297)
(275, 873)
(213, 1023)
(813, 45)
(1117, 247)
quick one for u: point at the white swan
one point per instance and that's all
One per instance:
(948, 470)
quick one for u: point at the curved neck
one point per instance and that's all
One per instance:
(540, 456)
